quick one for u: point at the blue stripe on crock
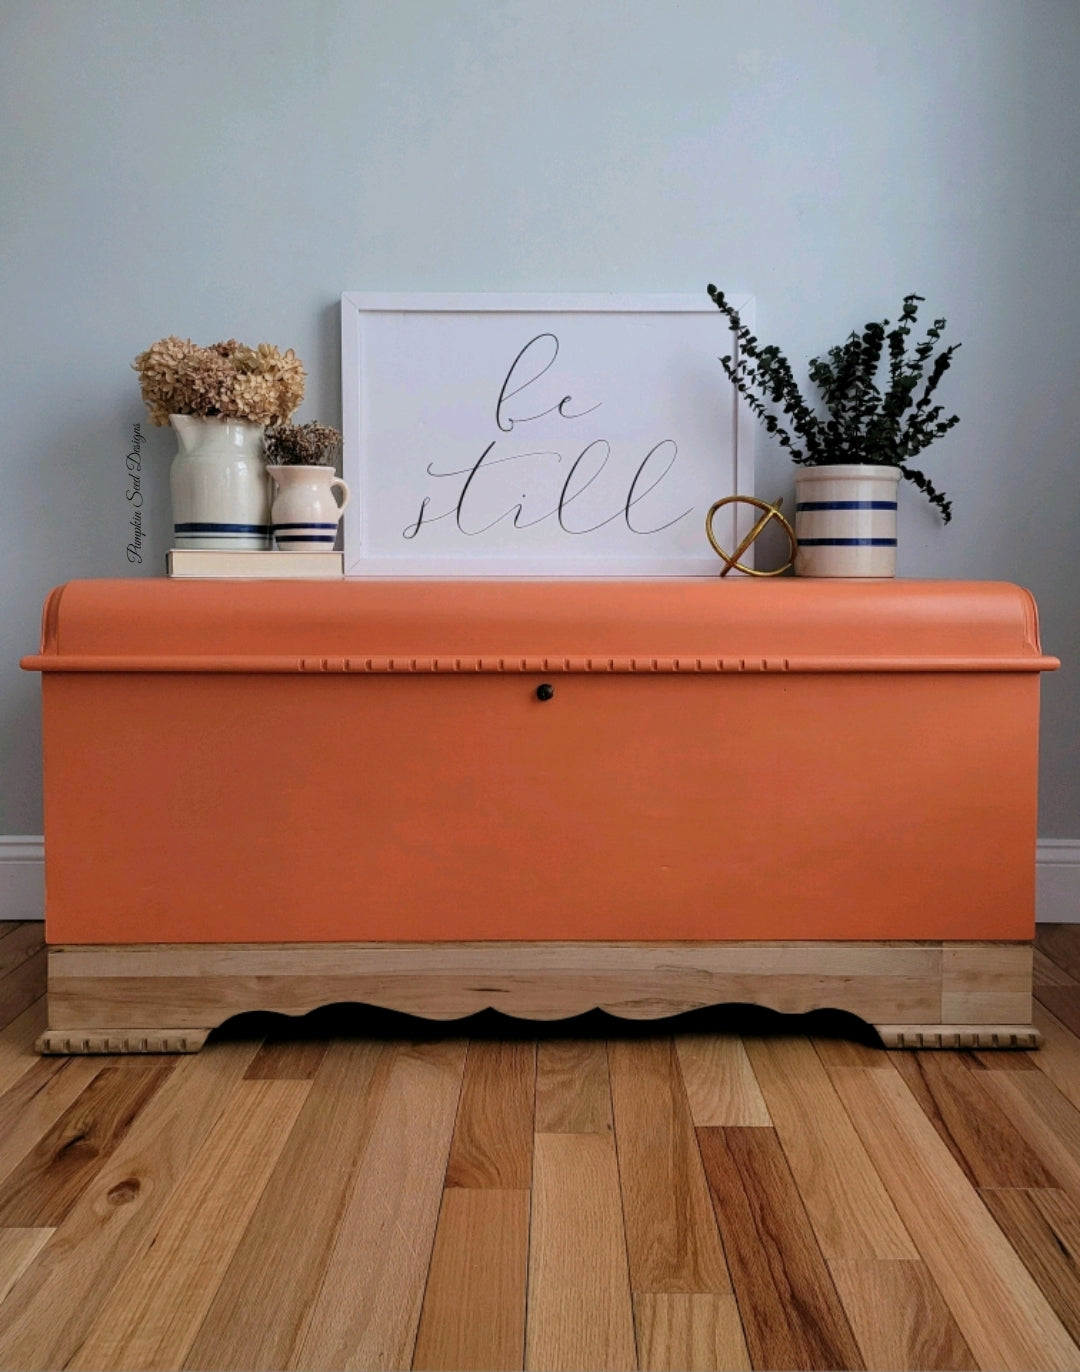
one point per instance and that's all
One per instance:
(847, 542)
(844, 505)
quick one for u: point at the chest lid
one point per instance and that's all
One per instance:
(691, 625)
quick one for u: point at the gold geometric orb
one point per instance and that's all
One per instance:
(731, 560)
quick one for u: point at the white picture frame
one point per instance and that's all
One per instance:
(473, 422)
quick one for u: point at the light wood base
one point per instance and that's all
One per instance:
(167, 997)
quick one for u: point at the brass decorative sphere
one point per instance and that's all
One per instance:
(731, 560)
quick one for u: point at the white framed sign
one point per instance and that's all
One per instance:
(539, 435)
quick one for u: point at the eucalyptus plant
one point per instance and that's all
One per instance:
(876, 393)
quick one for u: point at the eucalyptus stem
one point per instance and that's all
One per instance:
(867, 411)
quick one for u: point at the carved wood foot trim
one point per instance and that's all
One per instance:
(1018, 1036)
(121, 1040)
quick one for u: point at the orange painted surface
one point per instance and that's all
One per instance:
(243, 761)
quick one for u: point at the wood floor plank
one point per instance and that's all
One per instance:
(836, 1052)
(368, 1306)
(271, 1283)
(849, 1208)
(899, 1317)
(288, 1059)
(1046, 972)
(1049, 1122)
(978, 1133)
(671, 1234)
(579, 1312)
(1004, 1317)
(573, 1090)
(40, 1097)
(994, 1060)
(48, 1313)
(18, 1249)
(492, 1143)
(720, 1084)
(42, 1189)
(8, 926)
(474, 1305)
(790, 1311)
(1059, 1056)
(1061, 944)
(17, 1043)
(20, 944)
(22, 986)
(1064, 1003)
(152, 1314)
(1044, 1228)
(677, 1332)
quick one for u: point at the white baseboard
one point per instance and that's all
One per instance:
(22, 879)
(1058, 881)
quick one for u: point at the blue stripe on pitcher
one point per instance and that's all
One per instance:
(202, 530)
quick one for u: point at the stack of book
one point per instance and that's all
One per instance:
(276, 566)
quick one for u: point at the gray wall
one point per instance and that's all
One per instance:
(226, 167)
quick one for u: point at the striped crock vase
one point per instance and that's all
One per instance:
(845, 520)
(220, 489)
(305, 515)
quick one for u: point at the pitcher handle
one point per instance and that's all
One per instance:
(337, 481)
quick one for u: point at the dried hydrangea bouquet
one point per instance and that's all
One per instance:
(305, 514)
(220, 401)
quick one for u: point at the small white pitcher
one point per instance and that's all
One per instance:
(304, 517)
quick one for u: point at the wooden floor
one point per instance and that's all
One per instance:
(732, 1189)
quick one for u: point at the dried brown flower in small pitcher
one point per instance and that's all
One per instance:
(226, 380)
(303, 445)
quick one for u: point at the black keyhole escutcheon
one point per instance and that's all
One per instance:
(545, 691)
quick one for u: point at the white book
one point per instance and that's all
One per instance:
(209, 563)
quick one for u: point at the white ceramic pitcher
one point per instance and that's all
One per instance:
(220, 494)
(305, 515)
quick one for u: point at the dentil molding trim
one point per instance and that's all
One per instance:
(22, 879)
